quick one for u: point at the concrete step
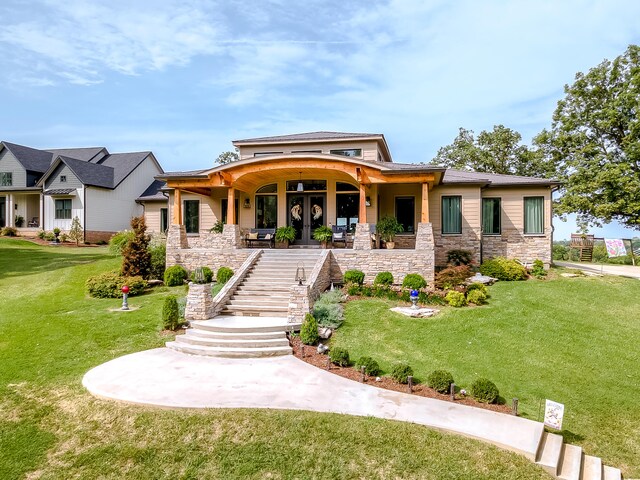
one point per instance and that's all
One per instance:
(570, 463)
(549, 452)
(255, 310)
(230, 352)
(232, 343)
(611, 473)
(252, 288)
(257, 303)
(591, 468)
(240, 324)
(242, 335)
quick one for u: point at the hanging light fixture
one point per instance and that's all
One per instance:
(300, 185)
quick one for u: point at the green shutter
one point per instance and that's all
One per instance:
(451, 215)
(534, 215)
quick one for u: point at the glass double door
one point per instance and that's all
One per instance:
(3, 212)
(306, 212)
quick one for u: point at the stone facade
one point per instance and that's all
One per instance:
(299, 303)
(176, 237)
(514, 244)
(469, 240)
(320, 278)
(406, 242)
(398, 262)
(362, 237)
(199, 302)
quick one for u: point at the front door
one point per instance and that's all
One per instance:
(3, 212)
(306, 213)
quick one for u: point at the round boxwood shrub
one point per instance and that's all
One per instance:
(476, 297)
(371, 367)
(174, 276)
(400, 372)
(414, 281)
(109, 285)
(484, 391)
(354, 276)
(170, 313)
(440, 381)
(478, 286)
(339, 356)
(354, 289)
(207, 275)
(223, 275)
(503, 269)
(309, 330)
(384, 279)
(456, 299)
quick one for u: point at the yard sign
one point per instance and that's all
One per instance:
(615, 247)
(553, 414)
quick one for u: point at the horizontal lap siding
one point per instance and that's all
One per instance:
(53, 182)
(369, 149)
(8, 163)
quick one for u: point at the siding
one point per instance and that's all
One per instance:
(210, 208)
(512, 204)
(111, 210)
(77, 210)
(53, 181)
(152, 215)
(369, 148)
(8, 163)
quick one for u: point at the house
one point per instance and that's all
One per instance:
(46, 189)
(350, 180)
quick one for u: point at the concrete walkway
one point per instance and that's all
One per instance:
(166, 378)
(607, 269)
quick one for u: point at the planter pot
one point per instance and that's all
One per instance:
(390, 245)
(284, 244)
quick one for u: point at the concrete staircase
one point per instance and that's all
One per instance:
(569, 462)
(253, 323)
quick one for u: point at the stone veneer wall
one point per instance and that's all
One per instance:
(468, 240)
(371, 262)
(514, 244)
(229, 288)
(199, 302)
(362, 237)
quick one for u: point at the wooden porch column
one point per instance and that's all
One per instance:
(231, 206)
(362, 211)
(424, 216)
(177, 207)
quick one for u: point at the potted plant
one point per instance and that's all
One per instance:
(56, 232)
(285, 235)
(323, 234)
(19, 221)
(387, 228)
(218, 227)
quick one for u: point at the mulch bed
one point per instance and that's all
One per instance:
(47, 243)
(320, 360)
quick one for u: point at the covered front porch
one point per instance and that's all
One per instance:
(21, 209)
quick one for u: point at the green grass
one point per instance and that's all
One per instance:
(572, 340)
(51, 333)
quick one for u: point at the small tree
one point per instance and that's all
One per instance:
(170, 313)
(136, 257)
(75, 232)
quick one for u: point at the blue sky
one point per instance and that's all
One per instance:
(185, 78)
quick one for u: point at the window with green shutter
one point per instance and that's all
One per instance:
(63, 209)
(6, 179)
(533, 215)
(491, 216)
(452, 214)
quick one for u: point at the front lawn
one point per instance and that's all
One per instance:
(572, 340)
(51, 333)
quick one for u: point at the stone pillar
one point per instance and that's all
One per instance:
(231, 236)
(424, 237)
(199, 302)
(362, 237)
(176, 237)
(298, 303)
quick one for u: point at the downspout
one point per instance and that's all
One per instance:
(84, 213)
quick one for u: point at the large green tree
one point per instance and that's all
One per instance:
(227, 157)
(497, 151)
(595, 135)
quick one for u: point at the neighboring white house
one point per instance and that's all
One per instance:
(48, 188)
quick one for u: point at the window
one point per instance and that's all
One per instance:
(452, 215)
(346, 187)
(491, 216)
(192, 216)
(406, 213)
(266, 211)
(306, 151)
(347, 152)
(225, 207)
(264, 154)
(63, 179)
(347, 209)
(308, 185)
(534, 215)
(272, 188)
(164, 219)
(63, 209)
(6, 179)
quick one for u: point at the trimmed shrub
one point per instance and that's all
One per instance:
(174, 276)
(380, 291)
(476, 297)
(431, 299)
(9, 232)
(329, 314)
(451, 277)
(400, 372)
(371, 367)
(440, 381)
(182, 307)
(353, 289)
(366, 291)
(414, 281)
(384, 279)
(207, 275)
(170, 313)
(223, 275)
(309, 330)
(503, 269)
(456, 299)
(478, 286)
(49, 236)
(484, 391)
(339, 356)
(109, 285)
(41, 234)
(120, 240)
(459, 257)
(136, 259)
(158, 261)
(354, 276)
(538, 269)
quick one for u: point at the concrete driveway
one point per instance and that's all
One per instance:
(606, 269)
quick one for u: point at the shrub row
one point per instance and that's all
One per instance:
(109, 285)
(177, 274)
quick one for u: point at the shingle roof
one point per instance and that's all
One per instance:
(309, 136)
(30, 158)
(123, 164)
(495, 179)
(85, 154)
(153, 192)
(90, 173)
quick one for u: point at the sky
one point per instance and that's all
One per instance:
(184, 78)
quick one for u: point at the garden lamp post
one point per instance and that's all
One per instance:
(413, 296)
(125, 295)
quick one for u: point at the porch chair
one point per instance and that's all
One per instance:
(339, 235)
(34, 222)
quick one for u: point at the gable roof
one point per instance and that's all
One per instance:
(88, 173)
(123, 164)
(30, 158)
(297, 137)
(87, 154)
